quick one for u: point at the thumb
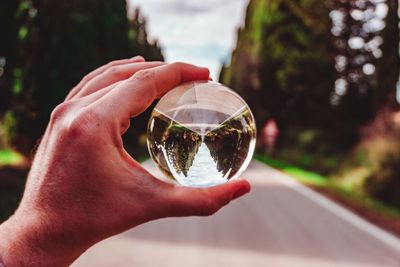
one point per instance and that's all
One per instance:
(186, 201)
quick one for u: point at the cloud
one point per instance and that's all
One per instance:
(203, 50)
(184, 8)
(194, 31)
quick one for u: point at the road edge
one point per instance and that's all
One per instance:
(337, 209)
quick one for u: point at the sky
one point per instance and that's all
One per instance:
(198, 32)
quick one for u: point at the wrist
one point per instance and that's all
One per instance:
(31, 240)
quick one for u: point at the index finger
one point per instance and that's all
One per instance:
(99, 71)
(136, 94)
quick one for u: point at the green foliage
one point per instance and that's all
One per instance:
(372, 168)
(8, 157)
(384, 183)
(18, 82)
(388, 66)
(282, 65)
(286, 67)
(363, 200)
(346, 194)
(51, 46)
(7, 129)
(302, 175)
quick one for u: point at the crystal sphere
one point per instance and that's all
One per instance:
(201, 134)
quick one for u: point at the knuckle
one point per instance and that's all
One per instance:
(111, 63)
(113, 72)
(178, 65)
(59, 113)
(114, 63)
(86, 78)
(80, 126)
(144, 75)
(177, 68)
(76, 127)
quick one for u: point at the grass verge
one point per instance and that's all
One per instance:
(362, 204)
(9, 157)
(302, 175)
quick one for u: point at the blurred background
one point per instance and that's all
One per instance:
(321, 77)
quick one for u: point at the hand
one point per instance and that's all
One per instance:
(83, 186)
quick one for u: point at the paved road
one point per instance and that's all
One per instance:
(281, 223)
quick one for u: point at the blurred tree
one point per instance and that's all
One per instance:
(388, 66)
(387, 75)
(356, 29)
(327, 71)
(139, 37)
(8, 50)
(314, 66)
(15, 18)
(384, 180)
(283, 65)
(63, 42)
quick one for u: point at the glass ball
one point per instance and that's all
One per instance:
(201, 134)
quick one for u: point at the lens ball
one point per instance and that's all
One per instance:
(201, 134)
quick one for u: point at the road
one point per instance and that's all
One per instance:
(280, 223)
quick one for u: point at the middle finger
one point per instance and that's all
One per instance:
(114, 75)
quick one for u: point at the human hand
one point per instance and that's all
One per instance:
(83, 186)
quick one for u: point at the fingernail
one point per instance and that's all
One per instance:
(240, 192)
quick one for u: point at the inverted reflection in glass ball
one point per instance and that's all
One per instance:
(201, 134)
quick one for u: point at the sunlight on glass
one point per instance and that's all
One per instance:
(377, 53)
(374, 25)
(369, 69)
(341, 62)
(381, 10)
(3, 61)
(357, 14)
(356, 42)
(374, 43)
(341, 86)
(398, 91)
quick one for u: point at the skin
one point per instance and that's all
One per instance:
(83, 186)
